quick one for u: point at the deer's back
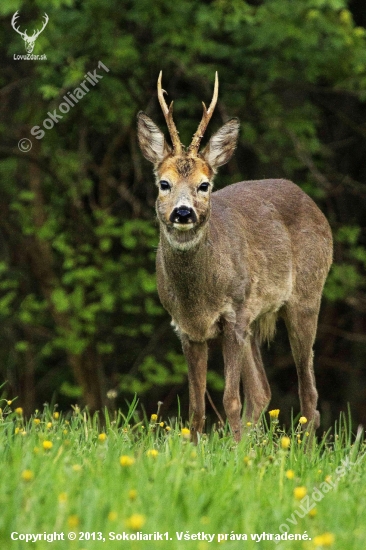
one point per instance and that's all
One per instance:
(274, 210)
(294, 206)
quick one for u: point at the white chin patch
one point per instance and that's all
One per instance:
(183, 226)
(182, 240)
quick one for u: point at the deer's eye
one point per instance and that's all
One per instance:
(164, 185)
(204, 186)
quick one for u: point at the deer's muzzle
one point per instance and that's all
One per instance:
(183, 215)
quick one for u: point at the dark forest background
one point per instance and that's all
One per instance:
(80, 320)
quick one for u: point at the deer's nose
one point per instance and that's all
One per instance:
(183, 214)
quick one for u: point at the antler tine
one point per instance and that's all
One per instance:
(46, 19)
(14, 22)
(207, 114)
(168, 114)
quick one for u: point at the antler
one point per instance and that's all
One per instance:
(37, 33)
(13, 22)
(207, 114)
(168, 113)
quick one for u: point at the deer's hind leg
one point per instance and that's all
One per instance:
(257, 393)
(301, 323)
(243, 360)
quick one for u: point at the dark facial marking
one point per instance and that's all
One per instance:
(185, 166)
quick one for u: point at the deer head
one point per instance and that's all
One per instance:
(184, 176)
(29, 40)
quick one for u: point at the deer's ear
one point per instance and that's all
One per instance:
(151, 140)
(221, 146)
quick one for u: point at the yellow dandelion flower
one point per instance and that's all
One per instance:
(249, 424)
(161, 424)
(312, 513)
(65, 432)
(49, 425)
(135, 522)
(320, 471)
(27, 475)
(102, 437)
(300, 492)
(285, 442)
(112, 516)
(152, 452)
(167, 428)
(36, 421)
(19, 411)
(132, 494)
(307, 434)
(274, 414)
(126, 460)
(9, 403)
(290, 474)
(62, 498)
(247, 461)
(154, 417)
(73, 521)
(327, 539)
(23, 432)
(303, 420)
(77, 467)
(328, 479)
(17, 430)
(47, 445)
(186, 433)
(298, 440)
(56, 415)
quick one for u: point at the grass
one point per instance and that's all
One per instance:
(62, 474)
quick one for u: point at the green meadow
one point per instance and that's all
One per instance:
(73, 481)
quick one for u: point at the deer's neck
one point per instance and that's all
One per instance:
(187, 266)
(190, 286)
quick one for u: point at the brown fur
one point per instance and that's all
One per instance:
(259, 250)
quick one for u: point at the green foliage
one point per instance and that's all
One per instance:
(346, 278)
(77, 266)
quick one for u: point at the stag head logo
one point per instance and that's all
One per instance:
(29, 40)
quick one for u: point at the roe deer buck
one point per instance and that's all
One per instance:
(231, 262)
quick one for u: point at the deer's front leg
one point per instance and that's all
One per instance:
(196, 356)
(232, 349)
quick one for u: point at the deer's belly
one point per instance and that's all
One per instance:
(201, 327)
(196, 331)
